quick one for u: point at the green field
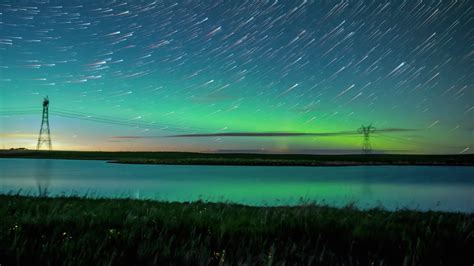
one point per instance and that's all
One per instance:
(77, 231)
(246, 159)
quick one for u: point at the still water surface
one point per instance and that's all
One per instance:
(444, 188)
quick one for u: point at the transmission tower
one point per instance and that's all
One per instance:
(44, 134)
(366, 146)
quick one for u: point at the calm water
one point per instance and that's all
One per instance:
(415, 187)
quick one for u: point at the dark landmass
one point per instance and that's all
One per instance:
(189, 158)
(78, 231)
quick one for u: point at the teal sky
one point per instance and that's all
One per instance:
(127, 75)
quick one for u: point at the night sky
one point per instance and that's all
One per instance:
(252, 76)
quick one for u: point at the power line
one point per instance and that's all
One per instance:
(101, 119)
(409, 141)
(366, 146)
(366, 131)
(123, 122)
(98, 120)
(20, 108)
(14, 111)
(19, 113)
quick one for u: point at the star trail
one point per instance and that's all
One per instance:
(267, 76)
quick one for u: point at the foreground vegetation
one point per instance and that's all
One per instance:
(78, 231)
(246, 159)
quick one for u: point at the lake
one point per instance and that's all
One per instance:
(445, 188)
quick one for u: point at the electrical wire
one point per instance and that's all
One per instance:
(100, 119)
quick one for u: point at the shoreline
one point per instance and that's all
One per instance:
(238, 159)
(287, 164)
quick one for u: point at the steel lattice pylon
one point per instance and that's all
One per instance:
(366, 146)
(44, 138)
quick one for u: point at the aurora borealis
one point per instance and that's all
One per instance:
(121, 75)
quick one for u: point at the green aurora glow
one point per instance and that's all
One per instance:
(200, 67)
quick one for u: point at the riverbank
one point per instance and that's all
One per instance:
(187, 158)
(77, 231)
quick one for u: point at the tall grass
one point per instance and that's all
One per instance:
(78, 231)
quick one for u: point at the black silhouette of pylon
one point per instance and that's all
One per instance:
(44, 138)
(366, 146)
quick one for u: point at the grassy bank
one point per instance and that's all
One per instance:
(75, 231)
(246, 159)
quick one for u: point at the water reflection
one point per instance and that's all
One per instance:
(366, 188)
(42, 175)
(414, 187)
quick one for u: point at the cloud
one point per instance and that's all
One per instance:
(396, 130)
(285, 134)
(134, 137)
(263, 134)
(266, 134)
